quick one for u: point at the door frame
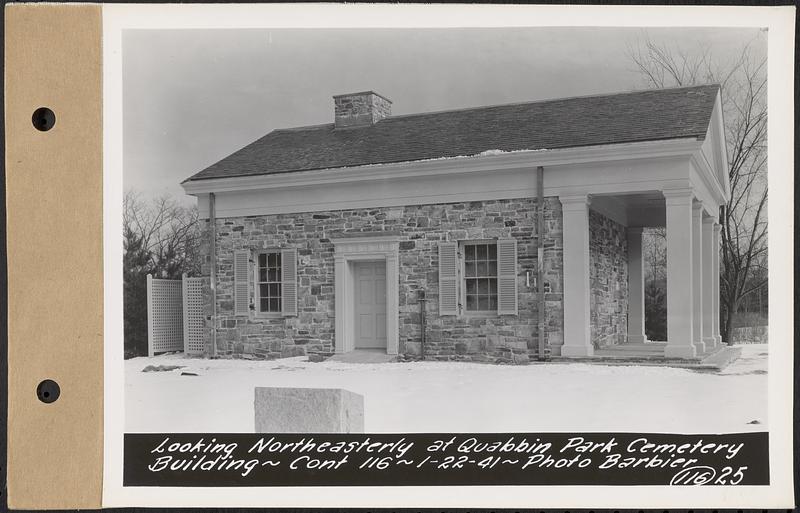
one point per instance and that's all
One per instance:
(347, 251)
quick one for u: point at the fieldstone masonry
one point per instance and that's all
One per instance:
(484, 338)
(511, 339)
(608, 256)
(358, 109)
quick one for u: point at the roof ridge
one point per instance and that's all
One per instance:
(305, 127)
(547, 100)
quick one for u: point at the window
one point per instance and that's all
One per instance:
(480, 276)
(269, 282)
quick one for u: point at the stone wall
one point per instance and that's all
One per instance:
(419, 229)
(608, 257)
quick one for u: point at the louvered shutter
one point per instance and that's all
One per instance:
(448, 278)
(241, 287)
(507, 277)
(289, 279)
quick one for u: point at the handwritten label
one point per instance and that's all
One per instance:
(452, 459)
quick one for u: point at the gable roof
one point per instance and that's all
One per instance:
(648, 115)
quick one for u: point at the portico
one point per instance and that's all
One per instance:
(692, 260)
(692, 265)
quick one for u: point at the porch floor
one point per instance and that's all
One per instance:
(652, 353)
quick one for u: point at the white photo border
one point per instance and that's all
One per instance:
(779, 22)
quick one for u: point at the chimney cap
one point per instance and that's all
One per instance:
(361, 93)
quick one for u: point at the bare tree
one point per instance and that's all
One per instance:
(168, 232)
(160, 237)
(654, 248)
(743, 84)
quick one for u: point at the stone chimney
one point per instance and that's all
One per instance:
(360, 109)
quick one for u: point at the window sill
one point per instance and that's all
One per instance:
(480, 315)
(268, 315)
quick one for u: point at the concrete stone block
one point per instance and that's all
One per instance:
(308, 410)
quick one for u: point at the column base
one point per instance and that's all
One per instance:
(717, 340)
(637, 339)
(710, 342)
(699, 347)
(555, 350)
(577, 351)
(676, 351)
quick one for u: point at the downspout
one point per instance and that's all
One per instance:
(540, 257)
(212, 215)
(422, 300)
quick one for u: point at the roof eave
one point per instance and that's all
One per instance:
(545, 157)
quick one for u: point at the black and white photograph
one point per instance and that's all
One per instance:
(488, 233)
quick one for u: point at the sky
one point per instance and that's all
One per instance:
(192, 97)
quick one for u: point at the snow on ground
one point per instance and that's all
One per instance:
(459, 397)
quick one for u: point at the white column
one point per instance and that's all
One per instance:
(679, 274)
(715, 288)
(636, 333)
(708, 282)
(577, 334)
(697, 277)
(392, 302)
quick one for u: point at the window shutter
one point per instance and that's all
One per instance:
(507, 277)
(241, 287)
(289, 279)
(448, 278)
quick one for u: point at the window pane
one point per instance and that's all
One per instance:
(481, 252)
(483, 286)
(492, 286)
(262, 274)
(274, 290)
(469, 269)
(482, 269)
(262, 260)
(472, 286)
(264, 305)
(273, 275)
(469, 252)
(271, 260)
(263, 290)
(492, 270)
(492, 302)
(274, 305)
(483, 303)
(278, 260)
(492, 252)
(472, 303)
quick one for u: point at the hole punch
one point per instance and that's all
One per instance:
(48, 391)
(43, 119)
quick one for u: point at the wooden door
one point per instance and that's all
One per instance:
(370, 305)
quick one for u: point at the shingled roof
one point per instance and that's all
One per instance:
(648, 115)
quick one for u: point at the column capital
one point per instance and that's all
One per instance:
(717, 228)
(575, 201)
(709, 220)
(678, 196)
(697, 209)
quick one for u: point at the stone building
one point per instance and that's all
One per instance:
(509, 232)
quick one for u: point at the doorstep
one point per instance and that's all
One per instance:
(363, 356)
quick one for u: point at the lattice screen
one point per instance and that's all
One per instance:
(193, 318)
(164, 316)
